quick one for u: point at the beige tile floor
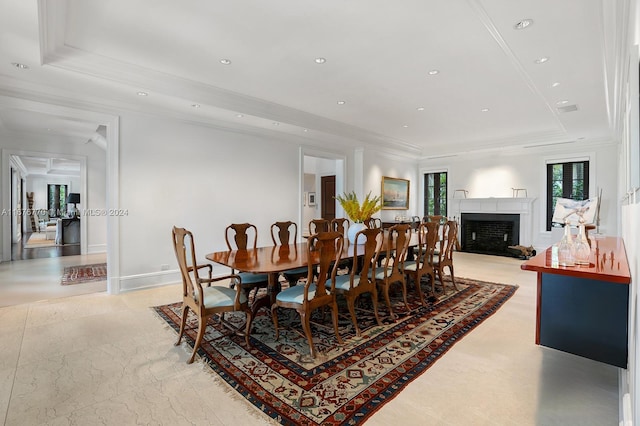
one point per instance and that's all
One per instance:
(99, 359)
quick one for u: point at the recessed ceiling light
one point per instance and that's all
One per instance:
(239, 115)
(434, 72)
(562, 102)
(405, 126)
(195, 105)
(541, 60)
(420, 108)
(275, 123)
(485, 110)
(556, 84)
(320, 60)
(20, 66)
(523, 24)
(225, 61)
(305, 130)
(341, 102)
(143, 94)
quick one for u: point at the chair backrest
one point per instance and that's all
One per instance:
(281, 233)
(429, 236)
(397, 247)
(434, 218)
(373, 222)
(184, 249)
(369, 259)
(448, 241)
(318, 225)
(243, 235)
(326, 247)
(340, 224)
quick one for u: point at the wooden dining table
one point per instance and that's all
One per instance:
(275, 259)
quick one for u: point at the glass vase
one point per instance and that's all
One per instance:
(566, 248)
(582, 247)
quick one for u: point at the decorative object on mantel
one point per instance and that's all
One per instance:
(358, 213)
(517, 191)
(464, 193)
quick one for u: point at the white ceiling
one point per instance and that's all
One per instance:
(100, 54)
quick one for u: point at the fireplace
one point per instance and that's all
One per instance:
(489, 233)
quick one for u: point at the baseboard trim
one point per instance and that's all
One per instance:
(149, 280)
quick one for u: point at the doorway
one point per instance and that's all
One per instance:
(327, 195)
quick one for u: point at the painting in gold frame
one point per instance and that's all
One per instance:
(395, 193)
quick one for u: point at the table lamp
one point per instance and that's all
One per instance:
(73, 198)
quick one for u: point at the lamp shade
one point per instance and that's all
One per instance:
(73, 198)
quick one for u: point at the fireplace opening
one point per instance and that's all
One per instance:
(489, 233)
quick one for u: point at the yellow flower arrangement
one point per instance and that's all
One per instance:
(359, 212)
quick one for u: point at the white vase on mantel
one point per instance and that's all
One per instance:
(353, 230)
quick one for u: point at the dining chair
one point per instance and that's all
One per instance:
(326, 247)
(319, 225)
(354, 284)
(422, 265)
(284, 233)
(392, 269)
(242, 236)
(340, 224)
(443, 258)
(204, 299)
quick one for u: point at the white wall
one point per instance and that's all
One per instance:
(377, 165)
(200, 178)
(487, 175)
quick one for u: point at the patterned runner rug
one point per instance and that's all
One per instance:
(84, 274)
(344, 384)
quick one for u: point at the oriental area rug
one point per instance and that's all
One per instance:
(84, 274)
(347, 383)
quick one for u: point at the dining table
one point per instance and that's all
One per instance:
(275, 259)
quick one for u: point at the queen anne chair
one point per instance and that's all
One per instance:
(205, 300)
(326, 247)
(281, 235)
(242, 236)
(319, 225)
(373, 222)
(423, 263)
(354, 284)
(392, 269)
(444, 255)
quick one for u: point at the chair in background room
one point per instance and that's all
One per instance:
(326, 247)
(354, 284)
(392, 269)
(423, 263)
(443, 258)
(285, 233)
(242, 236)
(319, 225)
(204, 299)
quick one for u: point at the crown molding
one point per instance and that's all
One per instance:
(55, 53)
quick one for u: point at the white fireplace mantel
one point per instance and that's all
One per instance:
(521, 206)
